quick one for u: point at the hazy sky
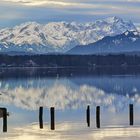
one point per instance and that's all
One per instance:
(13, 12)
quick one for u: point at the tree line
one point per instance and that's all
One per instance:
(69, 60)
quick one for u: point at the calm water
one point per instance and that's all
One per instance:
(23, 91)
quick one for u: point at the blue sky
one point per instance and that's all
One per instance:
(14, 12)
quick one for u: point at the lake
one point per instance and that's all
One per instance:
(23, 91)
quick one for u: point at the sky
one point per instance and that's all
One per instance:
(13, 12)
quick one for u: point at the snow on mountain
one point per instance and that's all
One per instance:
(129, 41)
(59, 36)
(138, 28)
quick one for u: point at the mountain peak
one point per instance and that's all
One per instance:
(30, 23)
(114, 19)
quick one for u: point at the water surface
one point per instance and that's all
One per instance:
(23, 91)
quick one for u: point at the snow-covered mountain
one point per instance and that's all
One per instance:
(127, 42)
(59, 36)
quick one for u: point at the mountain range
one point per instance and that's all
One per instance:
(64, 37)
(127, 42)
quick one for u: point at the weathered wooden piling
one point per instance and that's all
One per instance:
(41, 117)
(4, 120)
(88, 116)
(52, 113)
(98, 116)
(131, 114)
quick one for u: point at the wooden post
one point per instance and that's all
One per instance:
(131, 114)
(4, 120)
(41, 117)
(52, 113)
(88, 115)
(98, 116)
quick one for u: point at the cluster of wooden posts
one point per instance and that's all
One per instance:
(4, 114)
(97, 116)
(131, 116)
(52, 116)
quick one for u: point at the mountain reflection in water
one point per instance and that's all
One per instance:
(68, 92)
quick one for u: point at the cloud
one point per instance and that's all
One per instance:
(67, 3)
(42, 2)
(66, 10)
(101, 7)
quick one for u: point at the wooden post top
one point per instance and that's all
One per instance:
(2, 110)
(1, 113)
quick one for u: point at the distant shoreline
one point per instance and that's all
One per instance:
(70, 61)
